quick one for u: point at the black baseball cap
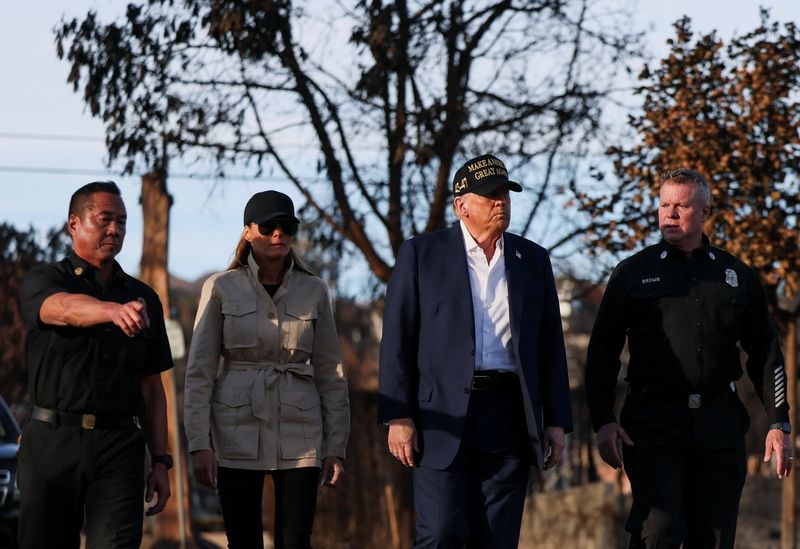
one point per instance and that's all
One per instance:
(482, 175)
(268, 205)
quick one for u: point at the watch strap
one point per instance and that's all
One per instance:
(164, 459)
(784, 426)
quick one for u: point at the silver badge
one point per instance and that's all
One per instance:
(712, 256)
(664, 254)
(731, 278)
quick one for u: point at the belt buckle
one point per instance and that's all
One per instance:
(88, 421)
(694, 401)
(479, 382)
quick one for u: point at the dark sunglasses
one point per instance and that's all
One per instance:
(287, 226)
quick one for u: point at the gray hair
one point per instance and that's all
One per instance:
(685, 176)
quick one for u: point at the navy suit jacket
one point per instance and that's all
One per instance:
(427, 353)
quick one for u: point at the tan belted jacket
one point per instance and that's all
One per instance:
(278, 399)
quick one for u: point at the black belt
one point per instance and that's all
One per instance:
(84, 421)
(693, 400)
(489, 380)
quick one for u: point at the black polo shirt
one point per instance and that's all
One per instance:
(96, 369)
(684, 319)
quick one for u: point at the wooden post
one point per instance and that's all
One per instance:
(173, 523)
(789, 496)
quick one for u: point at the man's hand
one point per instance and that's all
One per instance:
(204, 465)
(780, 444)
(154, 425)
(554, 443)
(130, 317)
(332, 471)
(609, 441)
(158, 483)
(403, 440)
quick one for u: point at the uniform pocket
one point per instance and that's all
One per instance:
(234, 428)
(239, 326)
(298, 327)
(300, 424)
(649, 303)
(737, 309)
(69, 340)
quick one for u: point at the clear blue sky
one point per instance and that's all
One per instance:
(38, 174)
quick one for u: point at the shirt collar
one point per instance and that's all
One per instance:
(665, 249)
(469, 242)
(251, 263)
(82, 269)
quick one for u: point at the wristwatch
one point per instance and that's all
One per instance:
(784, 426)
(166, 459)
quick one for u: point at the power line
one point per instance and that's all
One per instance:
(187, 176)
(51, 171)
(94, 139)
(50, 137)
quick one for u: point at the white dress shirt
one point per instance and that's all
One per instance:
(489, 288)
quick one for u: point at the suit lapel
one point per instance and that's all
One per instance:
(456, 256)
(515, 277)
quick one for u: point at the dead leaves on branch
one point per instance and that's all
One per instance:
(732, 113)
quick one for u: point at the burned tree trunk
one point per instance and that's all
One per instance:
(172, 524)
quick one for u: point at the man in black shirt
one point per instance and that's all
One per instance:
(96, 346)
(685, 308)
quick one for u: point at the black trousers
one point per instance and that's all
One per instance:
(687, 468)
(240, 492)
(477, 501)
(71, 478)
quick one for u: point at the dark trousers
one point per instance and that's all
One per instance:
(71, 478)
(241, 491)
(687, 468)
(478, 500)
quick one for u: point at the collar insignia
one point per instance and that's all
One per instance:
(519, 255)
(663, 254)
(78, 271)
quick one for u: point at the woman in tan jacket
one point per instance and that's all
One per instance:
(277, 402)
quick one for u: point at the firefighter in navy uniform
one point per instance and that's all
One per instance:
(685, 308)
(96, 347)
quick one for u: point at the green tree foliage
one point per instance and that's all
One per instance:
(19, 252)
(732, 113)
(363, 106)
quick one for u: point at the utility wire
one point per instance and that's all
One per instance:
(188, 176)
(94, 139)
(50, 137)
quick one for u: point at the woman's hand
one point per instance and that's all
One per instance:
(332, 471)
(204, 464)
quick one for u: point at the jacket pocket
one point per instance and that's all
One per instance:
(234, 428)
(300, 424)
(298, 326)
(239, 329)
(424, 393)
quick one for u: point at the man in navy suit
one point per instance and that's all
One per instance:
(473, 374)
